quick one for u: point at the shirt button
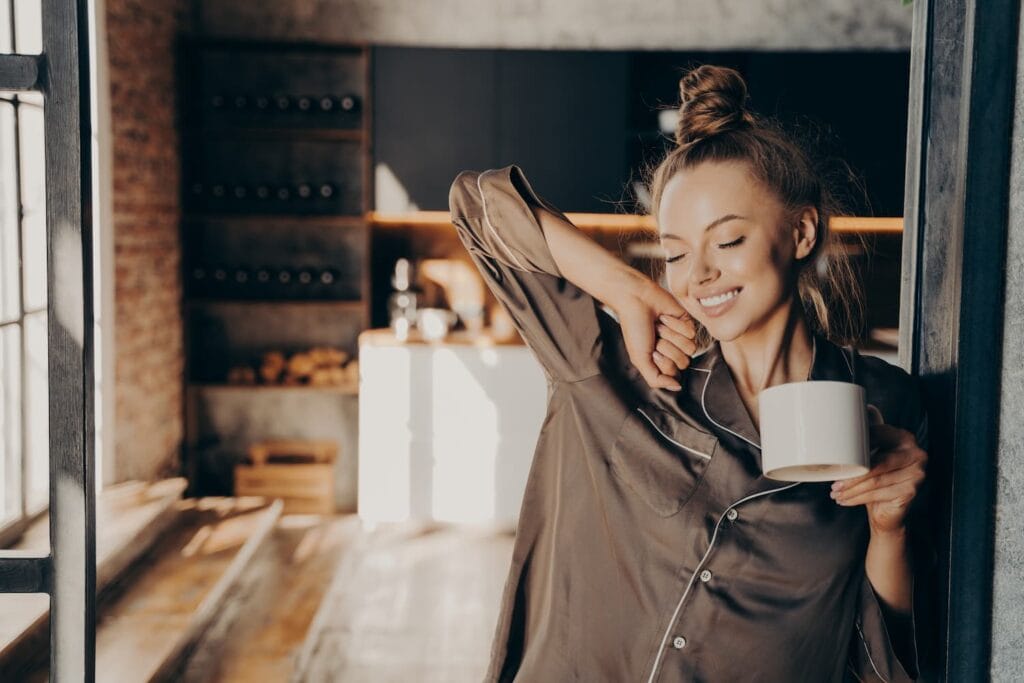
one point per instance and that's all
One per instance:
(705, 576)
(732, 514)
(679, 642)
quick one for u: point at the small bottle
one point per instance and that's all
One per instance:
(402, 303)
(304, 103)
(304, 190)
(285, 284)
(282, 102)
(328, 276)
(199, 278)
(349, 103)
(220, 280)
(328, 103)
(263, 276)
(327, 282)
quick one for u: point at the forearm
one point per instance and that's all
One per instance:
(889, 570)
(586, 263)
(888, 567)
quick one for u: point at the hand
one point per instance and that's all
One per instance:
(898, 469)
(658, 333)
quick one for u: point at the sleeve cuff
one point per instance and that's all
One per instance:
(877, 645)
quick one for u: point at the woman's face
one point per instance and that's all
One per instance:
(729, 253)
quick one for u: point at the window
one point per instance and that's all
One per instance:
(24, 430)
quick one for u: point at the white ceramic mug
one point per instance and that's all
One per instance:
(814, 431)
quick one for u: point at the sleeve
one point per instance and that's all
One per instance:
(885, 645)
(491, 211)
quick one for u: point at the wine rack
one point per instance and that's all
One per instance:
(276, 188)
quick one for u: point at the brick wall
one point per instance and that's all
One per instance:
(146, 215)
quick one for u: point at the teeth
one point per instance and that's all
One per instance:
(721, 298)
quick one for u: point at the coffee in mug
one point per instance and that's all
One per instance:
(814, 431)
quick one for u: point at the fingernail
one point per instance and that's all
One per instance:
(836, 485)
(658, 354)
(675, 387)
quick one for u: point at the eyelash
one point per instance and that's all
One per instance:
(728, 245)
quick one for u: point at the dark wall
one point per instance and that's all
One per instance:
(559, 115)
(581, 124)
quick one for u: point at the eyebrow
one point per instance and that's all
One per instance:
(713, 224)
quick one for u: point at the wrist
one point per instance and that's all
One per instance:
(896, 536)
(628, 284)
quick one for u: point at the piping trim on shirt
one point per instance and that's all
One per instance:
(705, 408)
(868, 651)
(487, 220)
(689, 585)
(685, 448)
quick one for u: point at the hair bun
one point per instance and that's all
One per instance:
(712, 101)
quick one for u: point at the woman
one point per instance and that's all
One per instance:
(650, 547)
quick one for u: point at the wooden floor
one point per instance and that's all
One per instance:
(410, 602)
(278, 607)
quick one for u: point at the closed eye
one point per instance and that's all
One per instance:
(727, 245)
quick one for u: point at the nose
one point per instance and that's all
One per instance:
(701, 269)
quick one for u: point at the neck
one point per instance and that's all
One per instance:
(777, 352)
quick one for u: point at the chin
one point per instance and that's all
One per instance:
(724, 330)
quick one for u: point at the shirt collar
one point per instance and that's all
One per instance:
(714, 389)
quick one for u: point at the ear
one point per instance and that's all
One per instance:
(805, 232)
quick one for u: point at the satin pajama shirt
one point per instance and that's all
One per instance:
(649, 546)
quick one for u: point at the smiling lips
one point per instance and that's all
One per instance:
(718, 304)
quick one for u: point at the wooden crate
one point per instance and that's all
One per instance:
(299, 472)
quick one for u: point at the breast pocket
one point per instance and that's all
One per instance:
(661, 457)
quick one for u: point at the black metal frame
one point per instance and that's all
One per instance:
(963, 62)
(68, 573)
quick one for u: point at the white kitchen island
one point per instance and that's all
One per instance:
(447, 429)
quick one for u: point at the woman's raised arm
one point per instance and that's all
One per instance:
(549, 276)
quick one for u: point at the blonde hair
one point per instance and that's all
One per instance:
(715, 125)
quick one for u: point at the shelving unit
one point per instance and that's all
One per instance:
(277, 186)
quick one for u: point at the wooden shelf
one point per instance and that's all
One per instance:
(271, 219)
(616, 222)
(346, 389)
(354, 304)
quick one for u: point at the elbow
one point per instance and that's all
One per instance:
(463, 196)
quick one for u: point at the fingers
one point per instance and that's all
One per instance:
(682, 325)
(677, 339)
(899, 495)
(879, 480)
(643, 360)
(673, 353)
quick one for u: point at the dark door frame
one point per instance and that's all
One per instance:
(963, 63)
(68, 572)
